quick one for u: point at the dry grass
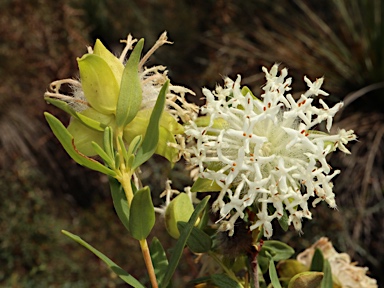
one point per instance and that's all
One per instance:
(360, 187)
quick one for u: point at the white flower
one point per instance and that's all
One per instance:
(263, 153)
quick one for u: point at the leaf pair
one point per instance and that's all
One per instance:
(66, 139)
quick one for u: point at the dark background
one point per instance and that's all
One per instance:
(42, 191)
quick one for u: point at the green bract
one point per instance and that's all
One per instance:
(99, 84)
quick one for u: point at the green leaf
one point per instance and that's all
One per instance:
(125, 276)
(151, 137)
(180, 209)
(126, 156)
(130, 95)
(180, 244)
(108, 160)
(119, 201)
(273, 275)
(135, 144)
(61, 105)
(307, 280)
(159, 259)
(67, 141)
(142, 214)
(100, 120)
(224, 281)
(277, 249)
(205, 185)
(204, 219)
(263, 261)
(108, 142)
(327, 280)
(317, 263)
(86, 117)
(198, 241)
(98, 83)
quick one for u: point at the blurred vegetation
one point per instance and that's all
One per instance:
(42, 191)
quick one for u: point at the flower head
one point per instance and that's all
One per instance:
(93, 104)
(263, 153)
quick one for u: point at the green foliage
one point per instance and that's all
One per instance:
(89, 122)
(327, 280)
(273, 275)
(184, 235)
(151, 137)
(159, 259)
(277, 250)
(112, 265)
(67, 141)
(130, 95)
(108, 145)
(198, 241)
(119, 201)
(109, 161)
(317, 263)
(223, 281)
(141, 214)
(271, 251)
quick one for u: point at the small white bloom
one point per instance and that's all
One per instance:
(263, 153)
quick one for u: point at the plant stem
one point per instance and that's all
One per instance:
(125, 181)
(125, 174)
(124, 177)
(255, 272)
(148, 262)
(253, 263)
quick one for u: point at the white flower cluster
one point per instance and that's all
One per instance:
(263, 151)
